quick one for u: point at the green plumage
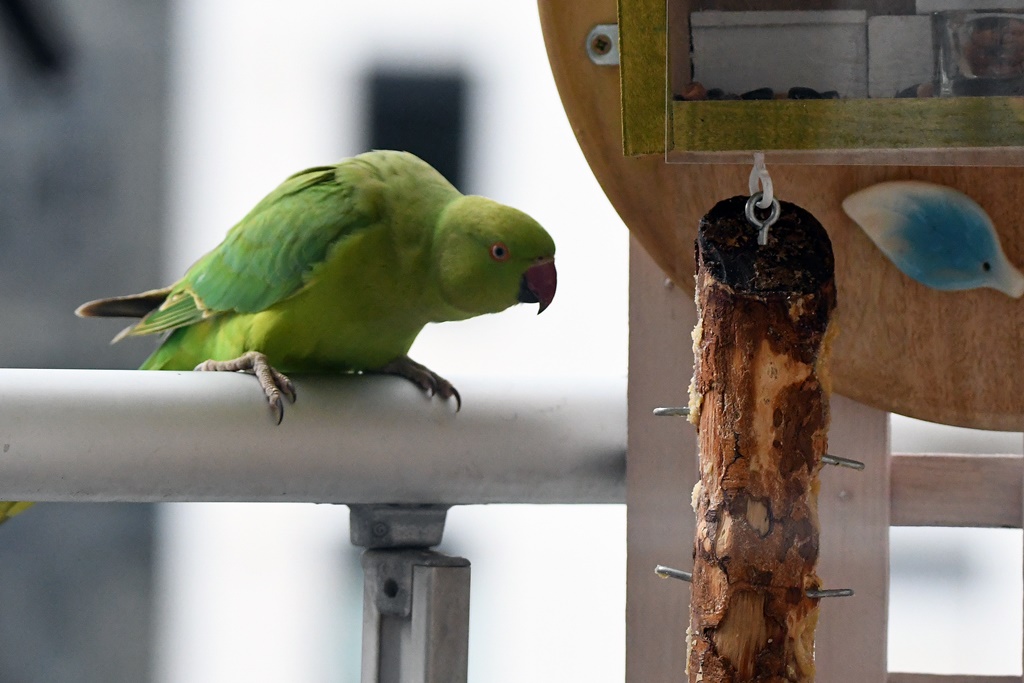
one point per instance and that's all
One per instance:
(339, 268)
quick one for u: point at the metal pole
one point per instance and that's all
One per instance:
(107, 435)
(415, 617)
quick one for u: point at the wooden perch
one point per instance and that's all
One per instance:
(759, 399)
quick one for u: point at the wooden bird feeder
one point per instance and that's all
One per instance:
(839, 95)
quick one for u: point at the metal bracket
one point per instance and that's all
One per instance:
(415, 600)
(603, 44)
(397, 526)
(415, 617)
(388, 576)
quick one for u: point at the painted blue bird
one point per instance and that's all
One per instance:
(935, 235)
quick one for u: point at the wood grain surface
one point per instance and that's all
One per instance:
(957, 490)
(762, 414)
(853, 511)
(950, 357)
(661, 470)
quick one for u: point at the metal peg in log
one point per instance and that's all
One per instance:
(760, 402)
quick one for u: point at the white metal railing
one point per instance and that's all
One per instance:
(109, 435)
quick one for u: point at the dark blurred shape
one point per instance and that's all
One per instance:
(81, 216)
(82, 186)
(421, 113)
(758, 94)
(37, 35)
(873, 7)
(803, 93)
(76, 591)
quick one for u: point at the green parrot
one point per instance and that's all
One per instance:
(338, 270)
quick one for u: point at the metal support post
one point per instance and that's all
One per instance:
(415, 600)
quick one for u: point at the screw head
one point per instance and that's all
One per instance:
(601, 44)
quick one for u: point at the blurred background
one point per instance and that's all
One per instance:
(133, 136)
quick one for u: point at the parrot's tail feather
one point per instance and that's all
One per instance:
(131, 306)
(10, 508)
(126, 332)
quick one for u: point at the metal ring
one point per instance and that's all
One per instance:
(762, 226)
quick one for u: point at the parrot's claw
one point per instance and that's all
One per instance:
(423, 377)
(275, 384)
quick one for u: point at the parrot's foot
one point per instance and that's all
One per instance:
(423, 377)
(274, 384)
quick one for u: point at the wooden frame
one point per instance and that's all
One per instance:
(856, 508)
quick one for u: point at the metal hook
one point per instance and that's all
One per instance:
(670, 573)
(762, 226)
(679, 411)
(761, 179)
(829, 593)
(828, 459)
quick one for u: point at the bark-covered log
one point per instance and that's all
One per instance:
(759, 399)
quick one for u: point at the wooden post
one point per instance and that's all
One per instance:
(661, 470)
(759, 399)
(853, 508)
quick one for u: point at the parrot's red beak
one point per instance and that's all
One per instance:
(538, 284)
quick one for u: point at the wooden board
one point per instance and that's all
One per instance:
(661, 470)
(955, 358)
(853, 510)
(957, 490)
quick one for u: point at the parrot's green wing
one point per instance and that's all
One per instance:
(272, 252)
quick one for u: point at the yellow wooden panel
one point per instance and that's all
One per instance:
(855, 124)
(642, 51)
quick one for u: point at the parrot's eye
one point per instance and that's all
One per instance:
(499, 252)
